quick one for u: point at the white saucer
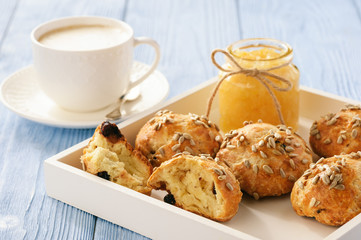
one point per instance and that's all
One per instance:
(20, 93)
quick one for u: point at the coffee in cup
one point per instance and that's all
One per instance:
(84, 63)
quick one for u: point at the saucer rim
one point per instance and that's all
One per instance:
(73, 124)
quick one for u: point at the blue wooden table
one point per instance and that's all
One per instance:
(325, 35)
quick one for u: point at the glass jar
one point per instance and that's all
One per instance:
(245, 98)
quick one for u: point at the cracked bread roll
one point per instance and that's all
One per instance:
(170, 133)
(330, 191)
(198, 185)
(338, 133)
(265, 159)
(111, 157)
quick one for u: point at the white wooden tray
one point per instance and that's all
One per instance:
(270, 218)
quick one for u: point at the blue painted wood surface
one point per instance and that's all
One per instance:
(325, 35)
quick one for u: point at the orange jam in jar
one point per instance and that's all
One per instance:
(245, 98)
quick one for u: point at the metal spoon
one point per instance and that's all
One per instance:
(116, 114)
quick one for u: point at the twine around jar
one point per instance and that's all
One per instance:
(261, 75)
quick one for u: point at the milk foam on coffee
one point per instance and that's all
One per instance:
(84, 37)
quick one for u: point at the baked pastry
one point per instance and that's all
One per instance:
(110, 156)
(265, 159)
(198, 185)
(170, 133)
(338, 133)
(330, 191)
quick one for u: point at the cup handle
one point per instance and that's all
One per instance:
(154, 44)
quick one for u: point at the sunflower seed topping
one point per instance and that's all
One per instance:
(187, 136)
(191, 141)
(291, 178)
(222, 177)
(288, 132)
(289, 149)
(188, 149)
(175, 147)
(276, 152)
(343, 162)
(230, 146)
(288, 141)
(229, 186)
(161, 151)
(282, 173)
(293, 155)
(300, 185)
(333, 184)
(254, 148)
(263, 154)
(307, 172)
(320, 160)
(326, 179)
(331, 122)
(158, 126)
(340, 187)
(247, 163)
(315, 179)
(229, 135)
(267, 169)
(255, 195)
(297, 145)
(218, 138)
(339, 139)
(292, 163)
(272, 142)
(304, 161)
(255, 169)
(261, 143)
(312, 202)
(277, 135)
(314, 132)
(327, 141)
(354, 133)
(176, 137)
(217, 171)
(279, 148)
(181, 139)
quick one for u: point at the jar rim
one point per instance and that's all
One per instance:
(287, 50)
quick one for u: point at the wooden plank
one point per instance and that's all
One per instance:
(7, 11)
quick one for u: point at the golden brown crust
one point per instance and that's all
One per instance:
(110, 156)
(169, 133)
(199, 185)
(265, 159)
(330, 191)
(338, 133)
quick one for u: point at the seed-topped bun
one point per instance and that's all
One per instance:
(198, 185)
(338, 133)
(170, 133)
(111, 157)
(265, 159)
(330, 190)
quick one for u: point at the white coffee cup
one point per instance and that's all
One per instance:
(81, 62)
